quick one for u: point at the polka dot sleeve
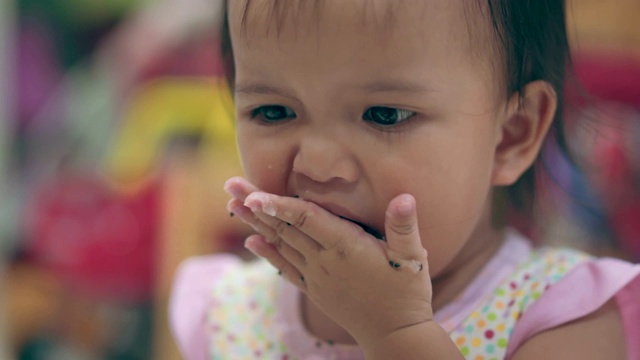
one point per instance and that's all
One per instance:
(584, 290)
(190, 298)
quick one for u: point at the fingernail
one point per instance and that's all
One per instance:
(260, 202)
(250, 248)
(253, 206)
(406, 206)
(232, 191)
(252, 203)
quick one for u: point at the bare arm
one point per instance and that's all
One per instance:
(597, 336)
(422, 341)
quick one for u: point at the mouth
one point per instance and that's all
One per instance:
(368, 229)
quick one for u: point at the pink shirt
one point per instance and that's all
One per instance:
(581, 291)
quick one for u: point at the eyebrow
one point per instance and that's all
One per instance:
(262, 89)
(395, 86)
(385, 86)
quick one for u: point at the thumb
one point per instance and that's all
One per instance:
(404, 245)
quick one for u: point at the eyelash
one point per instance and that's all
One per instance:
(259, 113)
(285, 114)
(369, 116)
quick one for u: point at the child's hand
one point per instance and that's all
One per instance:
(370, 287)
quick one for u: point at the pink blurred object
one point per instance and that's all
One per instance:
(97, 242)
(38, 71)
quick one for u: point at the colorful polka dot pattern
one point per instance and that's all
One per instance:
(241, 323)
(241, 318)
(484, 335)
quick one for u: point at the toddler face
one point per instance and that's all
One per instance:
(350, 103)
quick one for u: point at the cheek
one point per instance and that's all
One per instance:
(266, 163)
(446, 228)
(453, 194)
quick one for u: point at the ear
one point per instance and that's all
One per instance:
(528, 118)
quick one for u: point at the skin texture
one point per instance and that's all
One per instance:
(426, 182)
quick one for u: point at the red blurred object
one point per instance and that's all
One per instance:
(199, 58)
(613, 82)
(96, 241)
(613, 77)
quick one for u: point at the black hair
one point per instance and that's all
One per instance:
(531, 38)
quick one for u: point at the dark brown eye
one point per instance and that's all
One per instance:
(273, 113)
(386, 116)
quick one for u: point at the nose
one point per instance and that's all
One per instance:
(325, 161)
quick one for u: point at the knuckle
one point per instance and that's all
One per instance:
(342, 253)
(272, 238)
(341, 249)
(301, 219)
(280, 228)
(404, 229)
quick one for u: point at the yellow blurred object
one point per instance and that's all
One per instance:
(165, 109)
(604, 25)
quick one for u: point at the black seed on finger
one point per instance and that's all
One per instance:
(396, 265)
(231, 214)
(302, 278)
(288, 224)
(279, 272)
(421, 267)
(390, 263)
(296, 196)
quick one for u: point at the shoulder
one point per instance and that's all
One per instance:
(587, 310)
(598, 335)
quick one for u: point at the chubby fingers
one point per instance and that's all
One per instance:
(239, 188)
(404, 245)
(257, 244)
(319, 225)
(269, 234)
(272, 228)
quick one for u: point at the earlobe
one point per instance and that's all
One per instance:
(529, 116)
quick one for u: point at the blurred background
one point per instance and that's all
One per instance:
(116, 137)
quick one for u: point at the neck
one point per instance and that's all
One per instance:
(466, 265)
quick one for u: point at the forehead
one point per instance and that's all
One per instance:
(379, 21)
(335, 42)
